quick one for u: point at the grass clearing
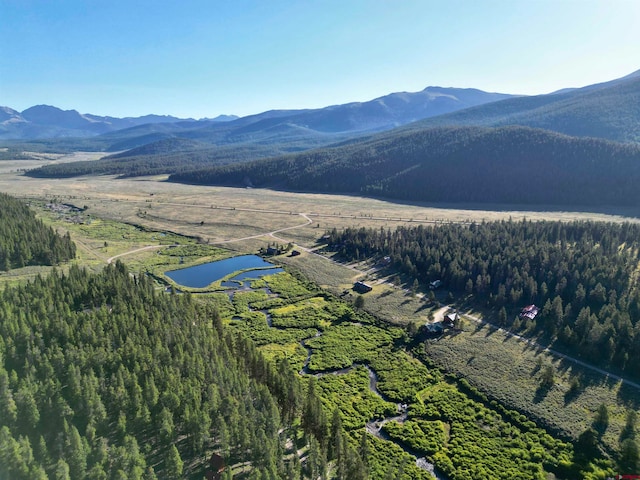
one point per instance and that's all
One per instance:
(510, 371)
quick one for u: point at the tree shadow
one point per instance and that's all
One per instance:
(629, 396)
(541, 393)
(571, 395)
(422, 307)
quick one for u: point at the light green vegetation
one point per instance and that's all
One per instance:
(386, 457)
(284, 286)
(464, 435)
(21, 275)
(254, 323)
(351, 395)
(400, 376)
(481, 444)
(569, 406)
(346, 344)
(426, 436)
(308, 313)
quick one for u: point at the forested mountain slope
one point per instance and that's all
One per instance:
(456, 164)
(157, 148)
(25, 240)
(610, 111)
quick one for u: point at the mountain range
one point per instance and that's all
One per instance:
(382, 113)
(45, 121)
(504, 149)
(607, 110)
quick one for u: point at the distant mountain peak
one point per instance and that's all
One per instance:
(222, 118)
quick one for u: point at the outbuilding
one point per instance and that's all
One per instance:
(362, 287)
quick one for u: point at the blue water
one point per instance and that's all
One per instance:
(202, 275)
(251, 274)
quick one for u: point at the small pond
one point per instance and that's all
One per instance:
(200, 276)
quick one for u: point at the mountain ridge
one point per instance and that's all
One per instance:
(511, 164)
(608, 110)
(47, 121)
(374, 115)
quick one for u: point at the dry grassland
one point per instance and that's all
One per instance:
(220, 214)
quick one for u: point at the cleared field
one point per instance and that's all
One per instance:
(39, 159)
(220, 214)
(510, 371)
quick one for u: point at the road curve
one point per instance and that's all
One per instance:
(149, 247)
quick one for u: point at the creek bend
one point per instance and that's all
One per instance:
(373, 426)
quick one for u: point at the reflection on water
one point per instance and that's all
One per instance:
(200, 276)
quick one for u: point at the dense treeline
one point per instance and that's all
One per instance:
(25, 240)
(149, 160)
(464, 164)
(583, 275)
(102, 377)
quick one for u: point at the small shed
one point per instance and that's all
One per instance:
(435, 284)
(362, 287)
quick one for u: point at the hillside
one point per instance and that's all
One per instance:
(104, 377)
(468, 164)
(587, 267)
(610, 110)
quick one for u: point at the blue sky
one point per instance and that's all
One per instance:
(202, 58)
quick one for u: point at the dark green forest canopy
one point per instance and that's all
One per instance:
(608, 111)
(103, 377)
(453, 164)
(150, 161)
(25, 240)
(583, 276)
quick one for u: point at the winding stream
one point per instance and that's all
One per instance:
(373, 426)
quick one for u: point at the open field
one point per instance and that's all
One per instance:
(510, 371)
(39, 159)
(219, 214)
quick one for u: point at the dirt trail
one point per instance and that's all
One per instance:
(130, 252)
